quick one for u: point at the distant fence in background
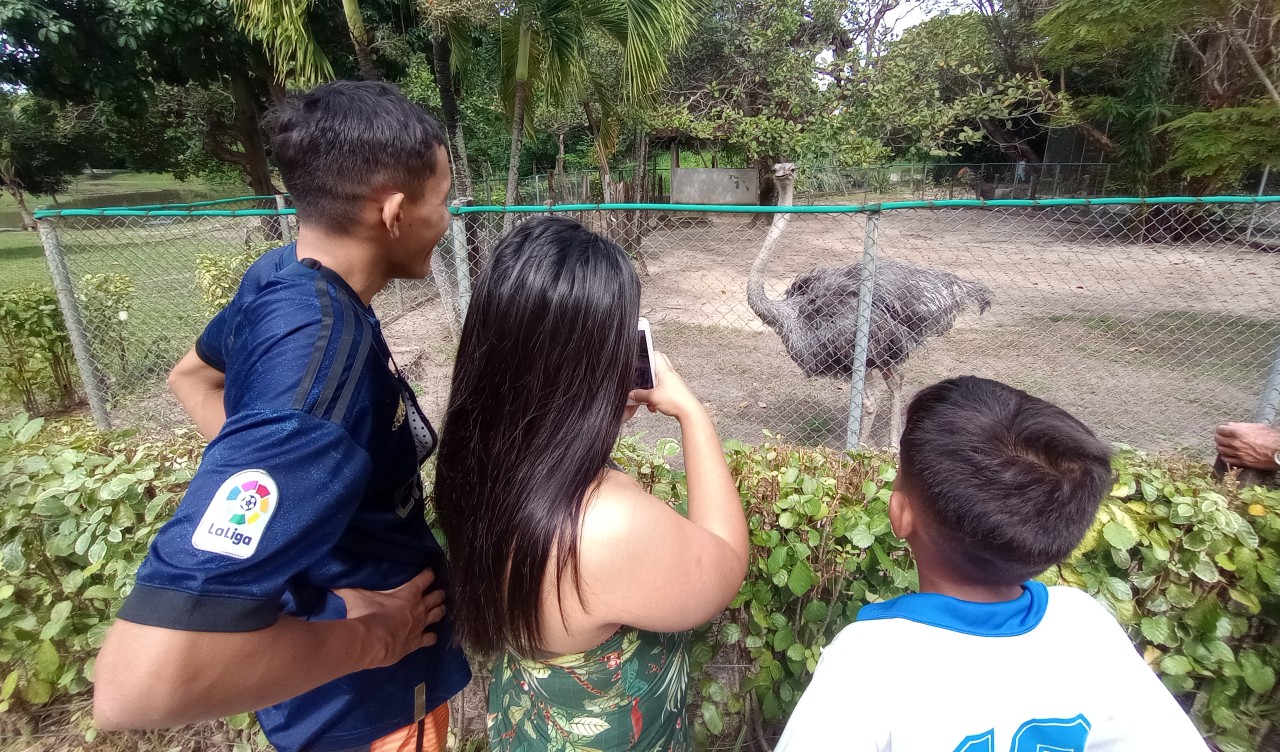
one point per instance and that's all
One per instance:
(1151, 319)
(834, 184)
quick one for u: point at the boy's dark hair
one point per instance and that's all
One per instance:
(1010, 482)
(341, 140)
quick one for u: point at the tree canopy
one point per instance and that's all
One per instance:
(1177, 94)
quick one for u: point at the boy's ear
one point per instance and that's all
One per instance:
(901, 516)
(391, 207)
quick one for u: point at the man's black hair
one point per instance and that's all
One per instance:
(340, 141)
(1010, 482)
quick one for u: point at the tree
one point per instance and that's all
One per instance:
(284, 28)
(116, 55)
(546, 46)
(943, 84)
(1191, 86)
(42, 147)
(774, 79)
(452, 24)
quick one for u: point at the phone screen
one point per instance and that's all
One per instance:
(644, 369)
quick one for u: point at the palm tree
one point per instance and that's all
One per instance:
(451, 23)
(282, 26)
(545, 45)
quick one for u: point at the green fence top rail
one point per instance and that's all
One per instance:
(177, 210)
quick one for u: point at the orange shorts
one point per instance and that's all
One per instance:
(435, 734)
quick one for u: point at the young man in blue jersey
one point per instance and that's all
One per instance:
(298, 577)
(994, 487)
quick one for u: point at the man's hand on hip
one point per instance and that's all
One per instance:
(397, 620)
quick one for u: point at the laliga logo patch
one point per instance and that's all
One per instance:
(238, 515)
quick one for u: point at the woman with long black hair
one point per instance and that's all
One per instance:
(579, 584)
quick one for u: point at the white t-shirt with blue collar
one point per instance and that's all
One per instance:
(1050, 670)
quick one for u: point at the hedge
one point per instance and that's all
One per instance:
(1188, 564)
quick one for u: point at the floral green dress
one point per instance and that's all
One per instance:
(628, 693)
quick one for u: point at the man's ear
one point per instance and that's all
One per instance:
(901, 515)
(391, 206)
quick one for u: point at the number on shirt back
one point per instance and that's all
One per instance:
(1036, 735)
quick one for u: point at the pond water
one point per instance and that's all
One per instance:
(10, 218)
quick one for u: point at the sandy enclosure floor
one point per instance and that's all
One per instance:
(1150, 343)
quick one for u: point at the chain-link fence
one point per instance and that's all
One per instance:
(1152, 320)
(137, 285)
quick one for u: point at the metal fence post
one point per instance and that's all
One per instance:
(461, 259)
(1253, 211)
(90, 374)
(866, 289)
(1269, 404)
(286, 232)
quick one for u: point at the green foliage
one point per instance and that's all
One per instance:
(218, 275)
(36, 361)
(78, 509)
(42, 145)
(1187, 564)
(936, 88)
(1221, 145)
(105, 300)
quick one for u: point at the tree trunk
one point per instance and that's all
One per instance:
(442, 69)
(556, 185)
(593, 126)
(253, 150)
(359, 39)
(641, 178)
(19, 198)
(253, 157)
(1009, 143)
(513, 164)
(517, 120)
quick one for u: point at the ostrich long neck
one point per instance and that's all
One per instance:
(771, 312)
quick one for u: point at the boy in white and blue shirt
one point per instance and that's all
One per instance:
(994, 487)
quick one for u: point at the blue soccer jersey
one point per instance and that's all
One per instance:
(311, 485)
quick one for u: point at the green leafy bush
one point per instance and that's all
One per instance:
(105, 300)
(1188, 564)
(77, 511)
(36, 362)
(218, 275)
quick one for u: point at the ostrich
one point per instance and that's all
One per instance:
(817, 316)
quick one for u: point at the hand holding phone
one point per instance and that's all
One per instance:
(644, 376)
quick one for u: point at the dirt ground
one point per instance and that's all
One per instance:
(1150, 343)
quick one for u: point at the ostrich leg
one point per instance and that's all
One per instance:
(894, 378)
(870, 401)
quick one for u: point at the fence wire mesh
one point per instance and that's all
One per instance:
(1152, 322)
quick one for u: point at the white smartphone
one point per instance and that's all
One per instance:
(644, 378)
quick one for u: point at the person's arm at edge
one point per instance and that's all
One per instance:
(200, 389)
(154, 677)
(714, 503)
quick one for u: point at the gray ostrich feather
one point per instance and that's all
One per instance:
(817, 317)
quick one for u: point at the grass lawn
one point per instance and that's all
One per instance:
(21, 260)
(165, 312)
